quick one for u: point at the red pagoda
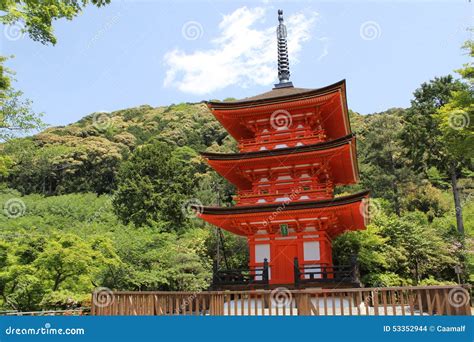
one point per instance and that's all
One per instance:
(295, 146)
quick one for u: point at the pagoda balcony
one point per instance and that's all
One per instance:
(250, 197)
(320, 275)
(280, 139)
(251, 276)
(326, 273)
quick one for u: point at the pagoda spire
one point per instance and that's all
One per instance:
(283, 63)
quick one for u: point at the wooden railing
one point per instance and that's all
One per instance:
(248, 276)
(400, 301)
(319, 273)
(324, 273)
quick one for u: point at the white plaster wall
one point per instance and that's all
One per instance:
(311, 251)
(262, 251)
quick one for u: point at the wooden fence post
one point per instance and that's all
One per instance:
(217, 304)
(302, 300)
(296, 271)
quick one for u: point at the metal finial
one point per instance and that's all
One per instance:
(283, 63)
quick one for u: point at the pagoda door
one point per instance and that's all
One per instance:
(283, 261)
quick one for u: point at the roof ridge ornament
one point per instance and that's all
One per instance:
(283, 63)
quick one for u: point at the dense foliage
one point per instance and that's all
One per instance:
(37, 16)
(91, 205)
(107, 201)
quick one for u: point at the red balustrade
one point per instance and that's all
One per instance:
(290, 138)
(292, 190)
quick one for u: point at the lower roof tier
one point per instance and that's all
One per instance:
(336, 158)
(333, 216)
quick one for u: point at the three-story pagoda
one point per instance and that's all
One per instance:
(295, 146)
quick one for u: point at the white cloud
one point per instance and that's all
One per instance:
(241, 55)
(324, 41)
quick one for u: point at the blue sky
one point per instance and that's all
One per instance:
(132, 53)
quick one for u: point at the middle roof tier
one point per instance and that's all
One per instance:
(332, 161)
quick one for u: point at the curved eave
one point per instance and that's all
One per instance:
(339, 155)
(281, 151)
(265, 208)
(350, 211)
(245, 103)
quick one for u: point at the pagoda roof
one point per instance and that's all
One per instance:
(350, 212)
(333, 202)
(331, 101)
(277, 95)
(279, 151)
(340, 157)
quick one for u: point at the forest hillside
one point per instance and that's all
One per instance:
(106, 202)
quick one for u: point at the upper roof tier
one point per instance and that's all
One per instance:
(328, 104)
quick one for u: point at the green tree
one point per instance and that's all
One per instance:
(38, 16)
(16, 114)
(423, 135)
(154, 185)
(424, 250)
(399, 250)
(51, 165)
(37, 265)
(160, 261)
(455, 121)
(420, 127)
(385, 168)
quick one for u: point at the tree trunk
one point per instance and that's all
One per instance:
(417, 275)
(396, 200)
(457, 201)
(57, 281)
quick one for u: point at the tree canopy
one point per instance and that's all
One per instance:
(38, 16)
